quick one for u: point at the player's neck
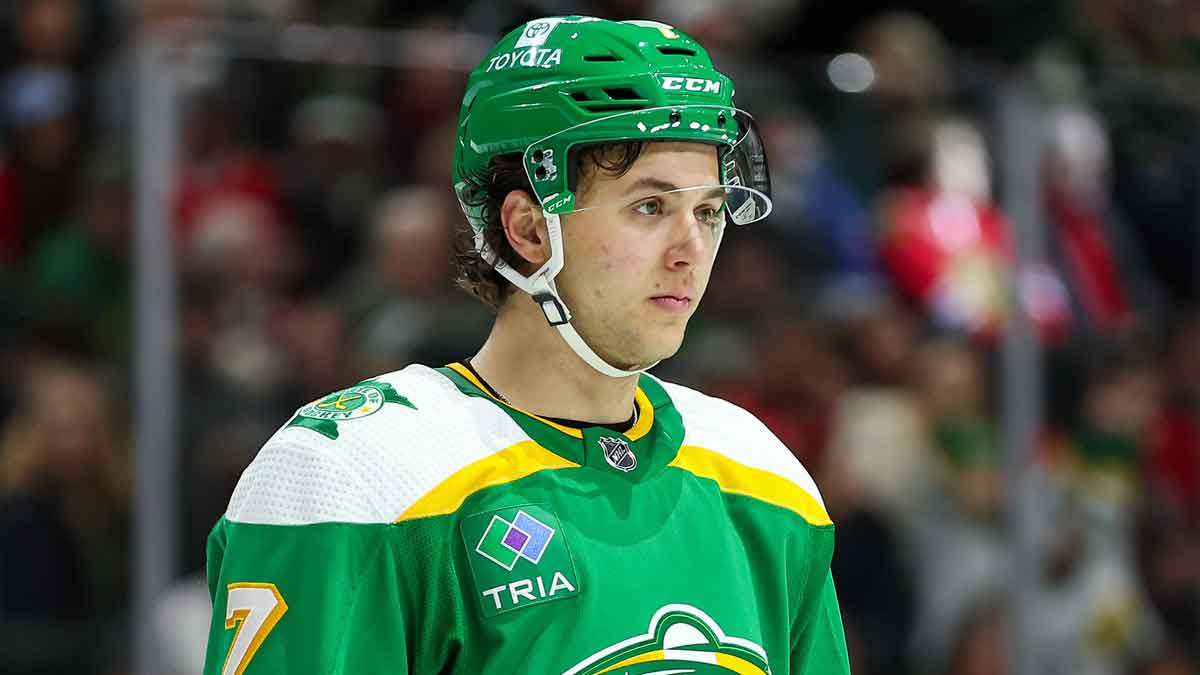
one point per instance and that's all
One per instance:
(528, 363)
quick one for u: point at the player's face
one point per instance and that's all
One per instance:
(636, 268)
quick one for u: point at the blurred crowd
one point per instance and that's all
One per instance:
(864, 322)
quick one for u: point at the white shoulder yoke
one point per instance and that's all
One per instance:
(372, 467)
(720, 427)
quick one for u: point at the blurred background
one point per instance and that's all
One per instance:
(972, 314)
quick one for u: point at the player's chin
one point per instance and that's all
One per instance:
(650, 351)
(667, 343)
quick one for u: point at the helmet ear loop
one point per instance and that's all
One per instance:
(541, 279)
(542, 287)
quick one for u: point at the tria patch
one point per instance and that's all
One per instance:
(519, 558)
(617, 453)
(363, 399)
(681, 639)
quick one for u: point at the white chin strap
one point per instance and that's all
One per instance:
(540, 286)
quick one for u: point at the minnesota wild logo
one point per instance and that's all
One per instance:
(363, 399)
(681, 639)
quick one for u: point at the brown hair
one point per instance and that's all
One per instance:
(486, 191)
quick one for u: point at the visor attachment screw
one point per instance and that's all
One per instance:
(674, 116)
(720, 119)
(540, 173)
(537, 156)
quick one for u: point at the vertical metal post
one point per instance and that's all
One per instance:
(155, 364)
(1021, 126)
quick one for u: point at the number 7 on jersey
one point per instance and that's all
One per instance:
(253, 609)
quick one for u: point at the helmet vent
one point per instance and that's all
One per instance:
(676, 51)
(609, 99)
(602, 57)
(622, 94)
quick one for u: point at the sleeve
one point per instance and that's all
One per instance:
(818, 638)
(820, 647)
(310, 599)
(295, 592)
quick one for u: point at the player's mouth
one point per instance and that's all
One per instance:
(679, 303)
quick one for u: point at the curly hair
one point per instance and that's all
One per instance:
(486, 191)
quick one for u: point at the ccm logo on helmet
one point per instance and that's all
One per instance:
(691, 84)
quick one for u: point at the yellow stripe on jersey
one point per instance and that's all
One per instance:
(648, 657)
(738, 665)
(737, 478)
(645, 408)
(512, 463)
(645, 416)
(728, 662)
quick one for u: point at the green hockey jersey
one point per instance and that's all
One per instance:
(414, 523)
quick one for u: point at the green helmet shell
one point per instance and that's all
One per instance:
(567, 81)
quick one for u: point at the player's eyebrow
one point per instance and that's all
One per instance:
(649, 183)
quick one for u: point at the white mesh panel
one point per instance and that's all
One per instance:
(720, 426)
(379, 465)
(291, 482)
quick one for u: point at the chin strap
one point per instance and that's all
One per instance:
(581, 348)
(540, 286)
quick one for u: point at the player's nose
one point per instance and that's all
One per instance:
(690, 239)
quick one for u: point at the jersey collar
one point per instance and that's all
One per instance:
(654, 439)
(645, 410)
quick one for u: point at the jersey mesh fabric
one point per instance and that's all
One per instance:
(292, 482)
(379, 465)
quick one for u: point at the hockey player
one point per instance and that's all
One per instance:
(547, 506)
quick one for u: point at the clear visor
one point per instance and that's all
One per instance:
(711, 205)
(741, 196)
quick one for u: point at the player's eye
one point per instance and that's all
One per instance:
(649, 207)
(711, 215)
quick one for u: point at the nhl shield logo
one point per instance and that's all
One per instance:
(617, 454)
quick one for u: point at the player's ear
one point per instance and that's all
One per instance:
(525, 227)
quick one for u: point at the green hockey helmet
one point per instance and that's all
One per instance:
(558, 84)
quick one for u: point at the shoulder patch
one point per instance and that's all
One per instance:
(362, 400)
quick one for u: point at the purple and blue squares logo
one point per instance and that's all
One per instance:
(503, 537)
(504, 542)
